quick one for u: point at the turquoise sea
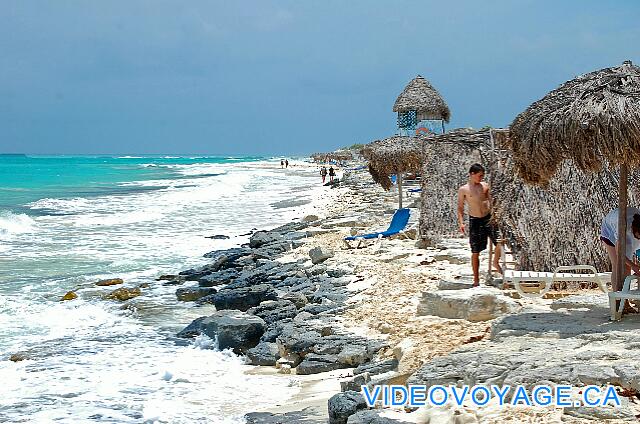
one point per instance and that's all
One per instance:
(68, 221)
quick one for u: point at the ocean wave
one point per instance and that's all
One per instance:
(61, 205)
(11, 223)
(130, 157)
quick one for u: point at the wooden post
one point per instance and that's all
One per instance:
(619, 276)
(399, 175)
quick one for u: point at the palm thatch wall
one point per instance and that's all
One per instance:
(393, 155)
(447, 159)
(419, 95)
(559, 224)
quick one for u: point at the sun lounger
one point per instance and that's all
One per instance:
(560, 274)
(397, 225)
(625, 294)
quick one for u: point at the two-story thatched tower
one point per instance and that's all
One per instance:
(421, 109)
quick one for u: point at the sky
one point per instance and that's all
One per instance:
(281, 77)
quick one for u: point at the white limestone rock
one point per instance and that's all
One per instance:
(479, 304)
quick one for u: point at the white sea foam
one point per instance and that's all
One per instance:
(11, 223)
(95, 358)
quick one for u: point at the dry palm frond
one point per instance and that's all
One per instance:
(593, 119)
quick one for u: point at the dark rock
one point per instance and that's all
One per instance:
(218, 237)
(334, 294)
(343, 405)
(168, 277)
(230, 255)
(241, 298)
(297, 339)
(264, 353)
(274, 310)
(296, 235)
(194, 274)
(234, 329)
(290, 227)
(274, 330)
(316, 308)
(316, 270)
(175, 282)
(320, 254)
(314, 364)
(189, 294)
(377, 368)
(271, 250)
(355, 383)
(218, 278)
(261, 238)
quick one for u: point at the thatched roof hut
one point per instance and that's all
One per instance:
(420, 96)
(338, 155)
(558, 224)
(393, 155)
(593, 120)
(447, 158)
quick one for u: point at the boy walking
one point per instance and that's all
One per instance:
(478, 199)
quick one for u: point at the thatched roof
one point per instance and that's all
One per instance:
(420, 95)
(393, 155)
(338, 155)
(466, 136)
(592, 119)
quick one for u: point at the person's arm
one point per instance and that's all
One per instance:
(461, 210)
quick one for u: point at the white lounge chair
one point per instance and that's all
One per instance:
(625, 294)
(559, 274)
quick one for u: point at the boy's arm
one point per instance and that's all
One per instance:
(461, 209)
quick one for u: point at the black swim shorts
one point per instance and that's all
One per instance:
(479, 231)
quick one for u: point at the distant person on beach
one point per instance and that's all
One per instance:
(281, 163)
(286, 163)
(323, 173)
(332, 173)
(609, 237)
(478, 199)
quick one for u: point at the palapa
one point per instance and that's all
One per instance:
(393, 156)
(593, 120)
(419, 95)
(338, 155)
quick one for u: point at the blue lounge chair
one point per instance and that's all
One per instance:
(397, 225)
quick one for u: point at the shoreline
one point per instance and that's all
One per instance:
(379, 296)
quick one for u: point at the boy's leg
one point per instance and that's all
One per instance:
(475, 266)
(496, 258)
